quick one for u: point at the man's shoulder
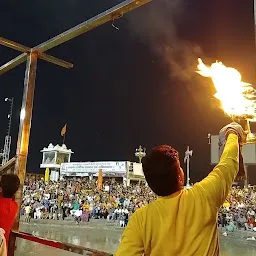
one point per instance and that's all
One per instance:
(140, 212)
(8, 203)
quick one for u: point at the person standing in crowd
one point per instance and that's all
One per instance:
(182, 221)
(28, 211)
(9, 185)
(77, 215)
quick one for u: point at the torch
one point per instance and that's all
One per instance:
(251, 137)
(237, 98)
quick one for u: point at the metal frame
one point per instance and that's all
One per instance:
(23, 57)
(109, 15)
(7, 142)
(31, 55)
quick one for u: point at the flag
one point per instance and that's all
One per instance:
(63, 130)
(100, 180)
(46, 175)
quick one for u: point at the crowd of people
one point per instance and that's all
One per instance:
(239, 210)
(83, 198)
(79, 198)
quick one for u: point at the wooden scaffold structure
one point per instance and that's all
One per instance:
(31, 56)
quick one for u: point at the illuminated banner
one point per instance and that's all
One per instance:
(137, 169)
(90, 168)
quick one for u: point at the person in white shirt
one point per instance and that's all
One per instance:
(37, 213)
(117, 213)
(250, 213)
(125, 211)
(27, 213)
(47, 196)
(122, 220)
(126, 203)
(240, 205)
(78, 214)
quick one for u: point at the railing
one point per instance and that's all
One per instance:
(55, 244)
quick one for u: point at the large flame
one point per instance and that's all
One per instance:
(238, 99)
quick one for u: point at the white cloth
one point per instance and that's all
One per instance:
(78, 213)
(3, 247)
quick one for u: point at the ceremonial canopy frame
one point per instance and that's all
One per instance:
(30, 56)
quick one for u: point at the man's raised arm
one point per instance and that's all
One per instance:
(217, 184)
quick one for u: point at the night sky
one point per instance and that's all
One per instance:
(131, 86)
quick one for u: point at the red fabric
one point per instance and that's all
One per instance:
(8, 211)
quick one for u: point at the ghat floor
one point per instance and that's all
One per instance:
(105, 237)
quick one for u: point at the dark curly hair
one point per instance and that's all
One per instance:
(9, 184)
(161, 169)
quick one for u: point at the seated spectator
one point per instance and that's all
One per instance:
(230, 226)
(241, 221)
(251, 212)
(250, 224)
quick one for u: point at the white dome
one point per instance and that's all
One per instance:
(50, 146)
(57, 147)
(64, 146)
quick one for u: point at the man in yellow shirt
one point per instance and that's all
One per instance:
(182, 222)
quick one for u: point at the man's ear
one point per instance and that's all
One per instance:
(181, 177)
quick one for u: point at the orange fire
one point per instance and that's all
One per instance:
(238, 98)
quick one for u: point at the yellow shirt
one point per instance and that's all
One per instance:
(86, 207)
(226, 204)
(184, 224)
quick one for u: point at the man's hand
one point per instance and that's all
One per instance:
(232, 128)
(226, 130)
(223, 135)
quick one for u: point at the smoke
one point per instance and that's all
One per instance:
(157, 28)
